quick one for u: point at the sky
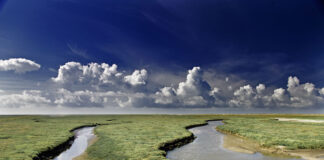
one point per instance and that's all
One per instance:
(161, 56)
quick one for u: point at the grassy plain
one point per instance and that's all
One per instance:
(125, 136)
(23, 137)
(139, 137)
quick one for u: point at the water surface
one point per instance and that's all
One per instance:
(80, 144)
(209, 146)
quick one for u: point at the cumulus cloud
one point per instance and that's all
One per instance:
(68, 72)
(321, 91)
(103, 85)
(292, 82)
(219, 97)
(86, 98)
(96, 75)
(138, 77)
(279, 98)
(18, 65)
(279, 94)
(260, 88)
(75, 76)
(166, 95)
(25, 98)
(194, 85)
(97, 85)
(192, 92)
(196, 92)
(303, 94)
(244, 96)
(93, 73)
(296, 95)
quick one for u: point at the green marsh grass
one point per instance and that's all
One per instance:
(138, 137)
(270, 132)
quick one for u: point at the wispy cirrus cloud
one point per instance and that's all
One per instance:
(78, 51)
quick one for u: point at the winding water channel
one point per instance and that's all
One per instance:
(209, 146)
(83, 137)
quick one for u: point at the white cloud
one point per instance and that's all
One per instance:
(244, 96)
(195, 101)
(166, 95)
(18, 65)
(245, 90)
(110, 74)
(86, 98)
(138, 77)
(260, 88)
(214, 91)
(195, 91)
(192, 92)
(76, 76)
(193, 84)
(297, 95)
(92, 75)
(292, 82)
(321, 91)
(69, 72)
(102, 85)
(26, 98)
(219, 97)
(279, 94)
(302, 95)
(97, 85)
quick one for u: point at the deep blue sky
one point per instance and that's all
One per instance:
(260, 41)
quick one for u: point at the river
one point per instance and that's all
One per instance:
(209, 146)
(83, 137)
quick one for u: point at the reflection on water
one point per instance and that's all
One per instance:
(80, 144)
(209, 146)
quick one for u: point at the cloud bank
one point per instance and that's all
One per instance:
(103, 85)
(18, 65)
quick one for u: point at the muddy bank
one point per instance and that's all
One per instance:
(208, 145)
(300, 120)
(243, 145)
(51, 153)
(168, 146)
